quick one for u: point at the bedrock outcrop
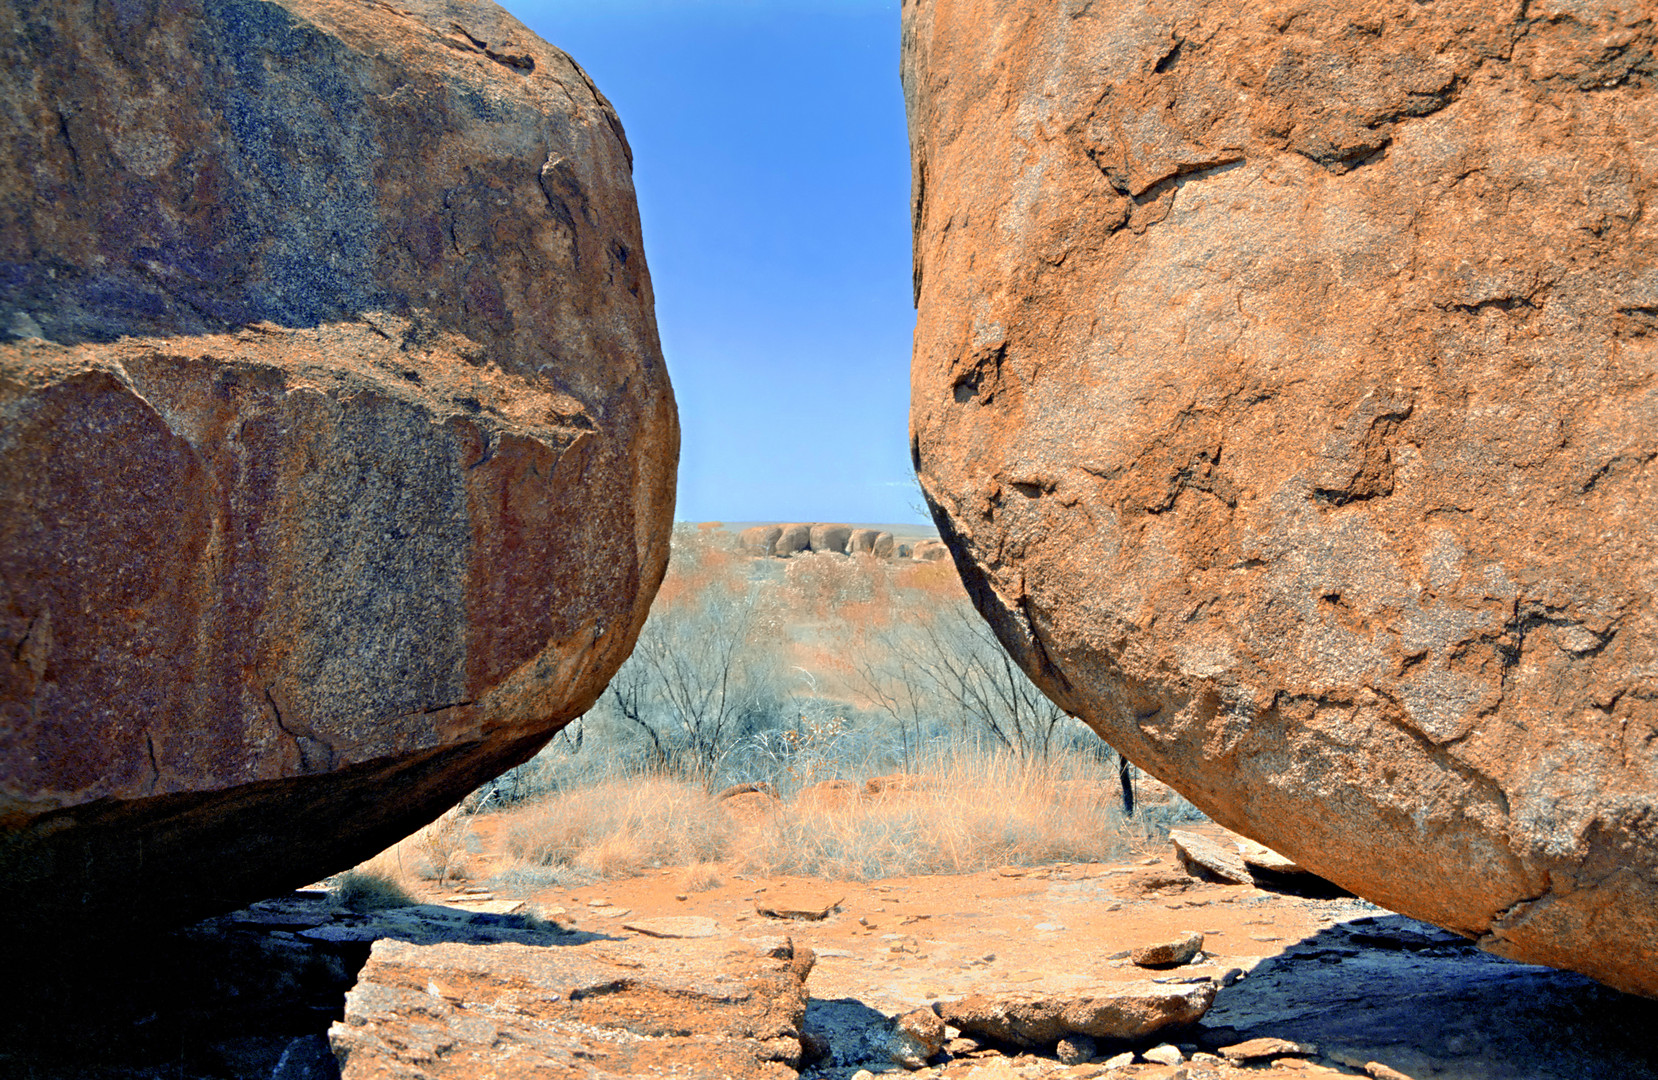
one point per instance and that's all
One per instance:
(1284, 389)
(336, 448)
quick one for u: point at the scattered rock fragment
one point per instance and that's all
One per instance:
(1264, 1049)
(916, 1037)
(1378, 1071)
(1040, 1019)
(675, 926)
(1164, 1054)
(804, 908)
(1117, 1061)
(1172, 953)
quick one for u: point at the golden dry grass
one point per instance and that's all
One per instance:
(622, 827)
(968, 811)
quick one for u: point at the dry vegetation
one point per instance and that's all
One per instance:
(806, 677)
(965, 812)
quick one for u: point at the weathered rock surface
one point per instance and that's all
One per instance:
(1283, 387)
(760, 539)
(336, 449)
(862, 542)
(1038, 1019)
(593, 1010)
(794, 539)
(929, 551)
(831, 538)
(1178, 950)
(1208, 859)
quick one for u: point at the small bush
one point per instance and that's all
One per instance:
(441, 849)
(365, 889)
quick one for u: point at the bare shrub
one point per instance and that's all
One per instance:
(704, 671)
(440, 849)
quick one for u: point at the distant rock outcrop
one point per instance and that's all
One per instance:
(337, 452)
(1286, 390)
(793, 540)
(831, 538)
(760, 539)
(929, 551)
(783, 541)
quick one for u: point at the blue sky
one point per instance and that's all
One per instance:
(773, 177)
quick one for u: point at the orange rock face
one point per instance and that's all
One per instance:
(336, 448)
(1284, 388)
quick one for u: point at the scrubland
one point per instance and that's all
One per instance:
(883, 730)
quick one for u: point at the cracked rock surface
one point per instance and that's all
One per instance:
(336, 448)
(1283, 388)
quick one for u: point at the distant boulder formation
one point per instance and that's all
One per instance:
(760, 539)
(831, 538)
(929, 551)
(1284, 388)
(782, 541)
(792, 540)
(337, 452)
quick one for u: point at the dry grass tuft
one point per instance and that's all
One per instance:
(369, 888)
(621, 828)
(976, 811)
(700, 877)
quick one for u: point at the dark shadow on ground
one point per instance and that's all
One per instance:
(1429, 1003)
(246, 995)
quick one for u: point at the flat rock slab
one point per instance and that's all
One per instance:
(1266, 1049)
(805, 908)
(1033, 1018)
(675, 926)
(1260, 857)
(1209, 859)
(603, 1009)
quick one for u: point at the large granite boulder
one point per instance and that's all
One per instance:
(336, 449)
(1285, 390)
